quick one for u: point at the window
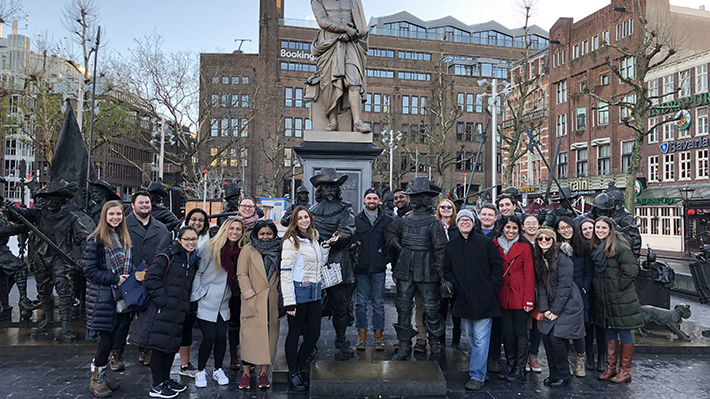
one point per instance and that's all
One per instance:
(289, 97)
(562, 166)
(298, 67)
(288, 157)
(668, 88)
(618, 32)
(585, 47)
(631, 26)
(467, 131)
(653, 168)
(413, 55)
(582, 87)
(245, 80)
(575, 52)
(653, 135)
(626, 68)
(595, 43)
(407, 75)
(668, 167)
(377, 73)
(605, 37)
(214, 127)
(245, 101)
(295, 45)
(464, 161)
(288, 127)
(604, 159)
(684, 83)
(562, 92)
(235, 80)
(225, 127)
(684, 165)
(626, 148)
(604, 79)
(298, 127)
(10, 147)
(668, 131)
(625, 112)
(479, 103)
(582, 157)
(215, 80)
(701, 79)
(581, 119)
(703, 164)
(561, 125)
(603, 117)
(294, 97)
(653, 91)
(225, 80)
(405, 105)
(380, 52)
(701, 121)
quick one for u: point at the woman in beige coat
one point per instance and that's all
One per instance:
(258, 276)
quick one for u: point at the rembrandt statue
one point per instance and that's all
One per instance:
(340, 49)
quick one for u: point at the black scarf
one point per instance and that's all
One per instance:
(599, 257)
(270, 251)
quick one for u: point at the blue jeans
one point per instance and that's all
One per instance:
(478, 335)
(624, 335)
(535, 338)
(370, 286)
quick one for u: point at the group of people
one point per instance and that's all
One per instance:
(517, 281)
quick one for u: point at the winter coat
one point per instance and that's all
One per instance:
(210, 288)
(259, 331)
(101, 296)
(474, 267)
(518, 289)
(557, 293)
(300, 271)
(145, 242)
(160, 325)
(616, 303)
(583, 275)
(373, 254)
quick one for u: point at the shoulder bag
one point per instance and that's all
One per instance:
(133, 290)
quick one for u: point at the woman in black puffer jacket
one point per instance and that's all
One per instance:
(169, 281)
(107, 264)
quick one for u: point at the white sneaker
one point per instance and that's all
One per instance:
(201, 379)
(219, 376)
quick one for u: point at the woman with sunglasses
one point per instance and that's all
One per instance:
(516, 296)
(169, 281)
(593, 329)
(617, 306)
(530, 227)
(446, 213)
(259, 278)
(212, 289)
(559, 301)
(583, 273)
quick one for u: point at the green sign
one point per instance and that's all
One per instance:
(638, 188)
(679, 104)
(656, 201)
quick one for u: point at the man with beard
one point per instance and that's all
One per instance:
(401, 203)
(301, 200)
(419, 238)
(100, 192)
(53, 272)
(333, 215)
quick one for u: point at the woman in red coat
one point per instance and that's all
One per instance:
(516, 296)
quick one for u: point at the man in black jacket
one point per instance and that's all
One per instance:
(370, 225)
(473, 265)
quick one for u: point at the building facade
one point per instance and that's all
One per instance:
(406, 58)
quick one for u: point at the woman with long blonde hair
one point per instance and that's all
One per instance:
(107, 264)
(212, 289)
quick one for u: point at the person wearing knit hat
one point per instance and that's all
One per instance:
(465, 214)
(547, 231)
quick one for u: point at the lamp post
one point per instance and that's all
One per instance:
(686, 194)
(494, 130)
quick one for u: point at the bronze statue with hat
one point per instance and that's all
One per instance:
(331, 216)
(564, 199)
(158, 193)
(419, 239)
(60, 236)
(232, 196)
(300, 200)
(100, 192)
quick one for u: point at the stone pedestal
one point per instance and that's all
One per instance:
(650, 292)
(349, 153)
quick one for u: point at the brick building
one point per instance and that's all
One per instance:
(401, 70)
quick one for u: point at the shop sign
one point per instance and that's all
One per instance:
(671, 147)
(579, 185)
(526, 189)
(638, 188)
(679, 104)
(683, 118)
(578, 193)
(541, 113)
(656, 201)
(303, 55)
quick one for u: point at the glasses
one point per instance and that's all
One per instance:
(446, 207)
(189, 239)
(544, 238)
(528, 224)
(566, 228)
(246, 206)
(197, 220)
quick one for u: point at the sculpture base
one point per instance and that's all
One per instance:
(337, 136)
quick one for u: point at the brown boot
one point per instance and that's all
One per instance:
(146, 357)
(115, 360)
(612, 353)
(98, 385)
(627, 353)
(234, 349)
(379, 342)
(361, 339)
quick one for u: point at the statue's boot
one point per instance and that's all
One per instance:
(67, 334)
(404, 335)
(47, 323)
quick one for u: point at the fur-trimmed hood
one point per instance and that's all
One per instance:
(567, 249)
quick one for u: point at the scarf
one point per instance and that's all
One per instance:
(250, 221)
(505, 244)
(599, 257)
(228, 257)
(270, 251)
(119, 257)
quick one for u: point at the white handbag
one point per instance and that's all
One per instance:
(330, 275)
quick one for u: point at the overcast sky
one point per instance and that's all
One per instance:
(213, 25)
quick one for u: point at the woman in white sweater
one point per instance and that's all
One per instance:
(301, 260)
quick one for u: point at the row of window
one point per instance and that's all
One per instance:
(228, 157)
(297, 66)
(295, 45)
(668, 129)
(684, 88)
(233, 100)
(235, 80)
(293, 97)
(586, 46)
(294, 127)
(665, 221)
(603, 160)
(685, 164)
(221, 127)
(18, 147)
(405, 55)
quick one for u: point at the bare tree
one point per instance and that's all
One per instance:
(657, 45)
(11, 10)
(80, 19)
(273, 146)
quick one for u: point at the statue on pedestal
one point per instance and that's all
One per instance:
(333, 215)
(100, 192)
(158, 193)
(564, 209)
(12, 270)
(340, 49)
(300, 200)
(232, 196)
(419, 239)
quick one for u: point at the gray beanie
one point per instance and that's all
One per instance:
(465, 214)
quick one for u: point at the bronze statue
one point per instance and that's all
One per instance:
(301, 200)
(232, 196)
(419, 238)
(670, 319)
(333, 215)
(158, 193)
(100, 192)
(340, 49)
(13, 270)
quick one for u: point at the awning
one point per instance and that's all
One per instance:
(702, 191)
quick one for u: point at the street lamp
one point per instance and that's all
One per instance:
(686, 194)
(391, 142)
(494, 130)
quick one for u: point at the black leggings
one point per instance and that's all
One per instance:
(514, 326)
(578, 344)
(213, 335)
(105, 345)
(308, 315)
(160, 364)
(187, 329)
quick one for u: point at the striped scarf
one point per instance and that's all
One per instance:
(119, 257)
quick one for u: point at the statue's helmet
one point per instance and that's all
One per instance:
(604, 202)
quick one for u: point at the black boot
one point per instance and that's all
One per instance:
(67, 334)
(344, 346)
(509, 366)
(47, 323)
(296, 381)
(590, 362)
(405, 335)
(601, 362)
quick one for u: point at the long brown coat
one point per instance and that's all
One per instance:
(259, 332)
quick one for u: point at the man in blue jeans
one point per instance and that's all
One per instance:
(474, 267)
(370, 225)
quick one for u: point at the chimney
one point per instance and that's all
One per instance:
(702, 7)
(14, 27)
